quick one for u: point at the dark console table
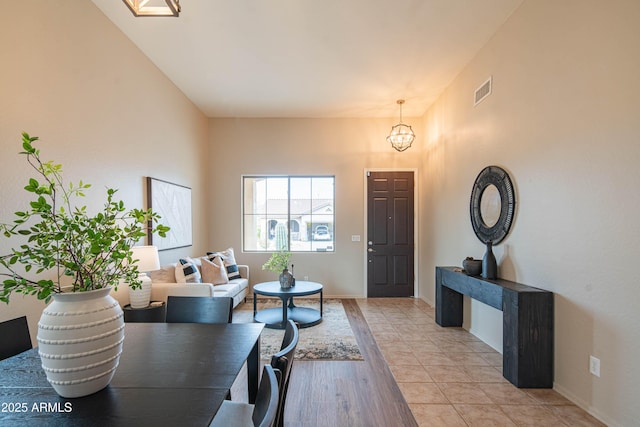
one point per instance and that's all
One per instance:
(527, 321)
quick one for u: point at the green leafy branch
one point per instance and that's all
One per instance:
(92, 251)
(278, 262)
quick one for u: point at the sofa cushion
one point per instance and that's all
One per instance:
(187, 271)
(163, 290)
(241, 282)
(221, 294)
(213, 271)
(229, 262)
(230, 288)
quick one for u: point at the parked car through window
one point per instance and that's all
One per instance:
(322, 233)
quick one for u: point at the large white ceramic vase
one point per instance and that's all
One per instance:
(80, 336)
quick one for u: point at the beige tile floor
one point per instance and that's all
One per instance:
(451, 378)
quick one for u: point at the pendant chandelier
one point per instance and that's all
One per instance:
(153, 7)
(401, 136)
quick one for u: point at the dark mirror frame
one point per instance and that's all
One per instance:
(493, 175)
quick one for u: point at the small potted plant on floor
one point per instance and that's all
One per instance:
(75, 258)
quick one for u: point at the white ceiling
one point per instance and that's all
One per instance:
(314, 58)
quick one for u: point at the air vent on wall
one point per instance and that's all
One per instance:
(482, 92)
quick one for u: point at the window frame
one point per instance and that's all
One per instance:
(289, 217)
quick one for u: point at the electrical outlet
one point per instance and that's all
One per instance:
(306, 278)
(594, 366)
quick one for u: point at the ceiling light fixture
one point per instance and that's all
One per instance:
(153, 7)
(401, 136)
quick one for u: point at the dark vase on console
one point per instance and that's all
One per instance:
(489, 263)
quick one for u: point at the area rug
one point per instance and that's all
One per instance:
(331, 339)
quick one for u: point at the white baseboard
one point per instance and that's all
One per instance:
(585, 406)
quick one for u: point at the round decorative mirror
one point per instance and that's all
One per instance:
(492, 204)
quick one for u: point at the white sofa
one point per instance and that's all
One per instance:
(160, 290)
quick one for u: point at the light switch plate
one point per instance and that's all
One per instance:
(594, 366)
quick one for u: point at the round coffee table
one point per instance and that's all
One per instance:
(276, 318)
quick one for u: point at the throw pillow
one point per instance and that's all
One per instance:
(229, 262)
(214, 271)
(166, 274)
(187, 272)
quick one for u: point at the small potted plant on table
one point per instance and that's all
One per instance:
(279, 263)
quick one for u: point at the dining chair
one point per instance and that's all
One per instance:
(262, 414)
(199, 309)
(283, 360)
(14, 337)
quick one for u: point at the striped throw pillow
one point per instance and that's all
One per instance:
(229, 262)
(187, 272)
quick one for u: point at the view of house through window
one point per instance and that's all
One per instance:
(294, 213)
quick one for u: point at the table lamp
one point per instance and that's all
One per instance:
(146, 258)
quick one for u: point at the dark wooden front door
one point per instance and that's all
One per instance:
(390, 242)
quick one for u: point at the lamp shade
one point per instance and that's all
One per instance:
(146, 258)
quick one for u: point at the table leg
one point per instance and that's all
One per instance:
(449, 308)
(254, 305)
(253, 369)
(321, 304)
(284, 311)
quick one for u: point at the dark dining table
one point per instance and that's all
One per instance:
(169, 374)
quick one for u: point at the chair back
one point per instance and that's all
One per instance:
(267, 399)
(14, 337)
(199, 309)
(283, 361)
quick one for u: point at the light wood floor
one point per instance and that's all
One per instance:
(343, 393)
(415, 374)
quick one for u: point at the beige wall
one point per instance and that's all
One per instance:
(563, 119)
(340, 147)
(101, 108)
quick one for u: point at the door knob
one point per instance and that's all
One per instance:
(370, 250)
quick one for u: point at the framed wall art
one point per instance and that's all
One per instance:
(173, 203)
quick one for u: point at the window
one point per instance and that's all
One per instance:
(294, 213)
